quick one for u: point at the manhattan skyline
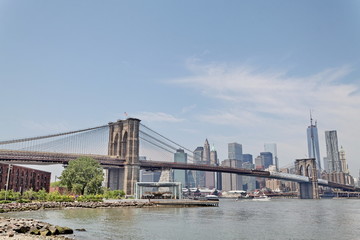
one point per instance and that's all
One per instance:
(240, 72)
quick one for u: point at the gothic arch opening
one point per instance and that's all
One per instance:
(115, 145)
(301, 170)
(124, 145)
(309, 170)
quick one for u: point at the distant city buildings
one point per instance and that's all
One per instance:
(205, 155)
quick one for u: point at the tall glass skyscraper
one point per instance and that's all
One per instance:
(313, 145)
(332, 151)
(180, 175)
(267, 158)
(271, 147)
(235, 151)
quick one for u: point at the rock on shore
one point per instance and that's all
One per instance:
(12, 228)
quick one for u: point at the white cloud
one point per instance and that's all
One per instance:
(187, 109)
(276, 104)
(157, 117)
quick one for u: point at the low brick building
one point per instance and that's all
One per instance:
(22, 179)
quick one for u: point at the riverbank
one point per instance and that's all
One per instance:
(13, 207)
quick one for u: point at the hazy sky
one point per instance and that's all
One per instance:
(230, 71)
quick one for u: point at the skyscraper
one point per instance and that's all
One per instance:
(313, 144)
(332, 151)
(271, 147)
(206, 155)
(344, 165)
(180, 175)
(247, 158)
(211, 177)
(267, 158)
(199, 176)
(235, 151)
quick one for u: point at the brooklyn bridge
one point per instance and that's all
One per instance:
(118, 145)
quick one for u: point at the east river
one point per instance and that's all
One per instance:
(274, 219)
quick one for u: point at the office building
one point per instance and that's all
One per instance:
(235, 151)
(180, 175)
(267, 158)
(247, 158)
(231, 181)
(332, 150)
(199, 176)
(259, 163)
(271, 147)
(249, 183)
(210, 177)
(344, 165)
(313, 144)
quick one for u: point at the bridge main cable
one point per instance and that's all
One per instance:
(49, 136)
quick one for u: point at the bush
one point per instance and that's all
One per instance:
(41, 195)
(57, 197)
(10, 195)
(114, 194)
(90, 198)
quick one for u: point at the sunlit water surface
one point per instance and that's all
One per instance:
(274, 219)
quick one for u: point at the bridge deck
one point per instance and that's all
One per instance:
(30, 157)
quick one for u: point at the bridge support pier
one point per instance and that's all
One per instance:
(124, 144)
(307, 167)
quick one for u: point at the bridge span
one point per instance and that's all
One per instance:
(122, 143)
(47, 158)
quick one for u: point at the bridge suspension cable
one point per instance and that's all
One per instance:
(48, 136)
(159, 141)
(85, 141)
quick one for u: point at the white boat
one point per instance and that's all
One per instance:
(262, 197)
(212, 197)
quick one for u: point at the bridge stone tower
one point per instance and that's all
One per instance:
(307, 167)
(124, 144)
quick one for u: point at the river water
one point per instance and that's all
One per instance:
(274, 219)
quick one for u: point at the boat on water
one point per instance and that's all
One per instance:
(212, 197)
(262, 197)
(244, 197)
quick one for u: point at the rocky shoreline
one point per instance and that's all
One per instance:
(11, 228)
(14, 207)
(19, 228)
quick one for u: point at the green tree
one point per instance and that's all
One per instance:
(83, 176)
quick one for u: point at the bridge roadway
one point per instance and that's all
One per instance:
(46, 158)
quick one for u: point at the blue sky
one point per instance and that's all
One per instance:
(230, 71)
